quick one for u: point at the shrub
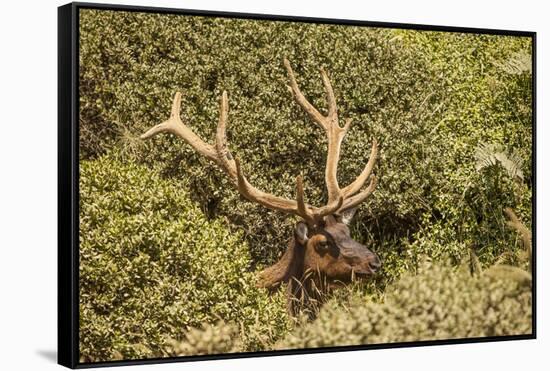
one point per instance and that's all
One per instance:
(438, 303)
(152, 267)
(210, 339)
(487, 101)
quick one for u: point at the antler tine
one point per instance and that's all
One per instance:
(331, 100)
(176, 105)
(358, 183)
(302, 207)
(314, 215)
(225, 158)
(315, 115)
(347, 125)
(176, 126)
(330, 208)
(353, 201)
(335, 135)
(233, 169)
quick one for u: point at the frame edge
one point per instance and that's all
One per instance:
(67, 260)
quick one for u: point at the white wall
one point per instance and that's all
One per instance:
(28, 58)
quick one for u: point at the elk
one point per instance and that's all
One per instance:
(321, 248)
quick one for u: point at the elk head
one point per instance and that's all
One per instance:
(321, 247)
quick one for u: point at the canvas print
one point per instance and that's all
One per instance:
(255, 185)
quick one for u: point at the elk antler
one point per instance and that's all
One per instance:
(219, 153)
(335, 135)
(339, 200)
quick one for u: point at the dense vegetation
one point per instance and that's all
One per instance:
(437, 303)
(169, 249)
(151, 266)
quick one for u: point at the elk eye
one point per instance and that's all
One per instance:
(322, 245)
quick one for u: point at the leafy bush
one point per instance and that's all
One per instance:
(487, 101)
(152, 267)
(210, 339)
(438, 303)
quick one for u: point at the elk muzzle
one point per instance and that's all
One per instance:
(360, 259)
(332, 252)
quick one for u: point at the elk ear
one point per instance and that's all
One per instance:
(347, 215)
(300, 233)
(331, 219)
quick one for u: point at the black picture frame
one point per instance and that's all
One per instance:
(68, 177)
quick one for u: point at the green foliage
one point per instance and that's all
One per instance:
(151, 267)
(211, 339)
(438, 303)
(484, 103)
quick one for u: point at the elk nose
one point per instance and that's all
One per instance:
(375, 263)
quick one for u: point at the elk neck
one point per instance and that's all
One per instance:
(290, 265)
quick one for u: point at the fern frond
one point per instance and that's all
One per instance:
(485, 155)
(517, 64)
(488, 155)
(512, 164)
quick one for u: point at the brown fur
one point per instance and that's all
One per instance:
(327, 259)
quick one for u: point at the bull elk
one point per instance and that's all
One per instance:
(321, 249)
